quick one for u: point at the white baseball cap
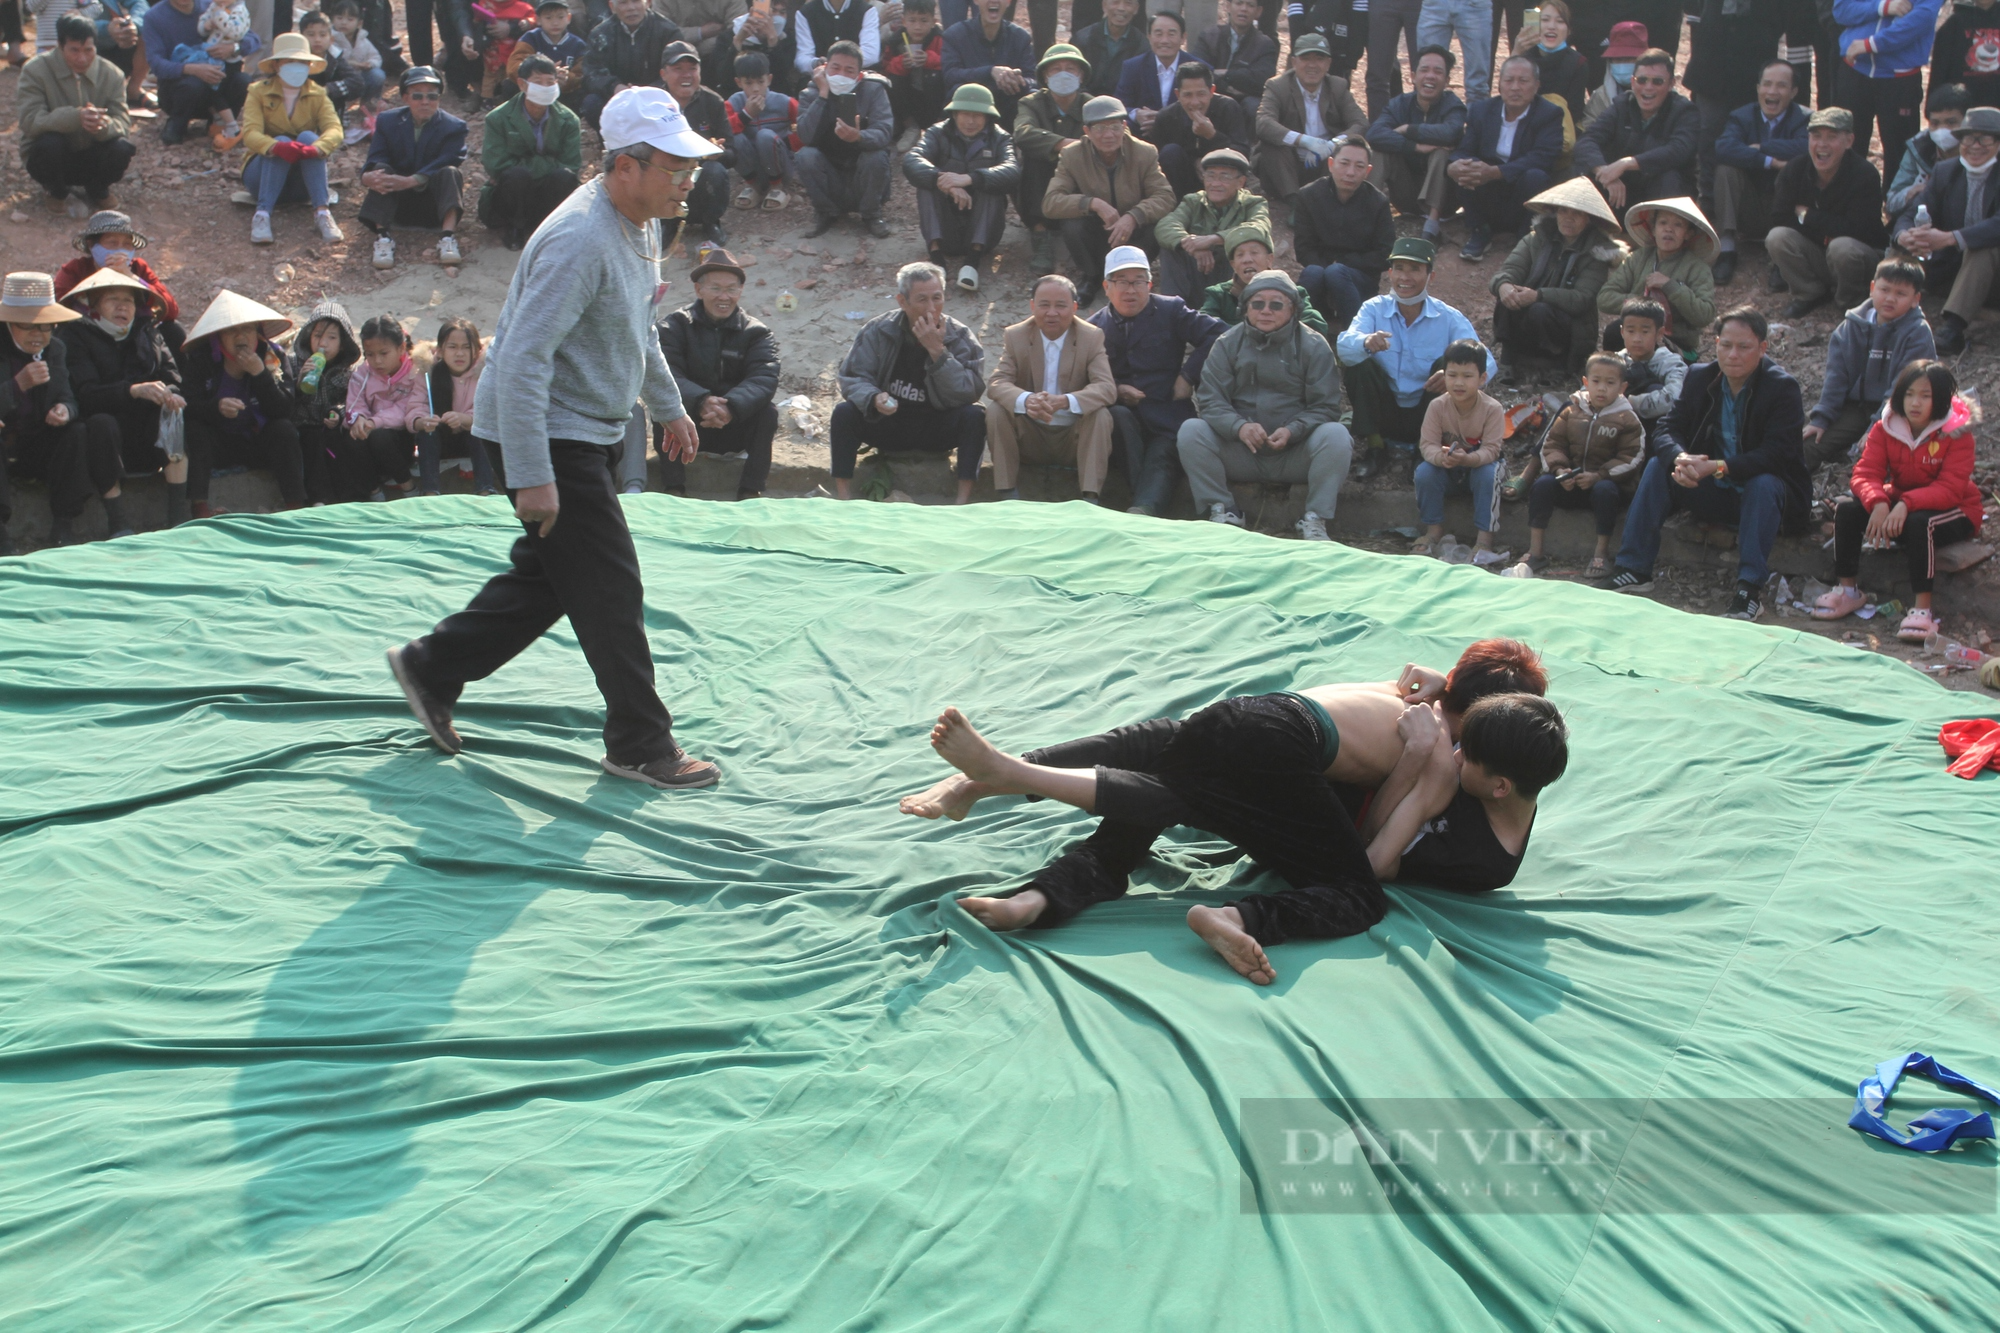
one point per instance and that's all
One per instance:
(650, 116)
(1126, 256)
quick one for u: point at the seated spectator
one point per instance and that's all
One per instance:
(1244, 59)
(1829, 235)
(912, 381)
(41, 427)
(964, 172)
(705, 25)
(290, 129)
(551, 40)
(1644, 146)
(1049, 120)
(387, 398)
(123, 374)
(356, 48)
(1560, 69)
(726, 365)
(458, 360)
(1508, 156)
(74, 125)
(915, 67)
(203, 89)
(1157, 347)
(765, 126)
(1049, 400)
(1944, 109)
(533, 155)
(322, 356)
(988, 50)
(1415, 134)
(1195, 125)
(1729, 50)
(108, 240)
(1673, 245)
(239, 400)
(1268, 410)
(1146, 83)
(118, 41)
(1729, 454)
(845, 125)
(1863, 357)
(1341, 233)
(340, 81)
(1591, 459)
(1757, 141)
(1913, 488)
(819, 25)
(1654, 371)
(1250, 254)
(412, 175)
(1459, 450)
(708, 116)
(1190, 236)
(1545, 296)
(1303, 111)
(1109, 43)
(1391, 355)
(1961, 246)
(774, 36)
(1108, 164)
(625, 52)
(226, 36)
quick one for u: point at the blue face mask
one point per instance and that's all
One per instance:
(1559, 46)
(1621, 72)
(103, 256)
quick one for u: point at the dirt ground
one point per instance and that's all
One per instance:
(180, 198)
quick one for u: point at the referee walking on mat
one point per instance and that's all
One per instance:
(574, 347)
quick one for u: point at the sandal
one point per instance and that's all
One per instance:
(1598, 568)
(1423, 546)
(1917, 626)
(1838, 604)
(775, 199)
(747, 197)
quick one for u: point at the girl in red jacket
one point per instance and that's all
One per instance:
(1912, 488)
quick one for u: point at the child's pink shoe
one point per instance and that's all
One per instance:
(1917, 626)
(1839, 604)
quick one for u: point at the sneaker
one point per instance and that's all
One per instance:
(1312, 528)
(879, 226)
(633, 488)
(1745, 605)
(1627, 581)
(1774, 281)
(332, 198)
(1222, 513)
(968, 279)
(260, 229)
(329, 230)
(1725, 267)
(243, 197)
(448, 250)
(676, 772)
(1805, 305)
(822, 224)
(1476, 244)
(173, 130)
(1950, 335)
(385, 252)
(1433, 230)
(433, 712)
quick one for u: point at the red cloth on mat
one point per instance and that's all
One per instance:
(1973, 744)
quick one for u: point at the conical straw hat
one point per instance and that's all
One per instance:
(1577, 193)
(228, 310)
(110, 279)
(1639, 223)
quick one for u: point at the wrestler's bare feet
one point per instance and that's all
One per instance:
(968, 751)
(1007, 913)
(952, 798)
(1222, 927)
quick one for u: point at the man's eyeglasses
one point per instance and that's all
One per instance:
(1128, 283)
(1276, 305)
(679, 176)
(418, 95)
(1656, 81)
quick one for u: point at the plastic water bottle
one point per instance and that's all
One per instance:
(1923, 215)
(315, 367)
(1959, 654)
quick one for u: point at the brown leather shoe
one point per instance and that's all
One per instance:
(675, 773)
(433, 712)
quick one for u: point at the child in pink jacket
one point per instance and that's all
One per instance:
(386, 396)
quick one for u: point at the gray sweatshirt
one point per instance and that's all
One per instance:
(575, 344)
(1863, 358)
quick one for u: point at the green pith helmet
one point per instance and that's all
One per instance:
(974, 97)
(1061, 51)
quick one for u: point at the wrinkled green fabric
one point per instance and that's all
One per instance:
(304, 1025)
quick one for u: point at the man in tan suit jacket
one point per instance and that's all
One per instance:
(1051, 419)
(1108, 191)
(1304, 110)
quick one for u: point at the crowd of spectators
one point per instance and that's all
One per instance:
(1158, 161)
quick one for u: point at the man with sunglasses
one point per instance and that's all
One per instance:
(412, 175)
(574, 347)
(1644, 146)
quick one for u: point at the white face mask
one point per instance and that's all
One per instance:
(1064, 83)
(294, 73)
(541, 94)
(1944, 139)
(840, 85)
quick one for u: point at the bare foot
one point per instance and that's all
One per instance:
(1007, 913)
(951, 798)
(965, 749)
(1222, 927)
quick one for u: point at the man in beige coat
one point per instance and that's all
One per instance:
(1050, 400)
(1108, 191)
(71, 104)
(1304, 110)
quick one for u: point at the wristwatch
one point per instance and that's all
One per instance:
(1722, 467)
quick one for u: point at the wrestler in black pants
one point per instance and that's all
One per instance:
(1249, 770)
(586, 569)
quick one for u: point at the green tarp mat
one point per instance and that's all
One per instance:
(304, 1025)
